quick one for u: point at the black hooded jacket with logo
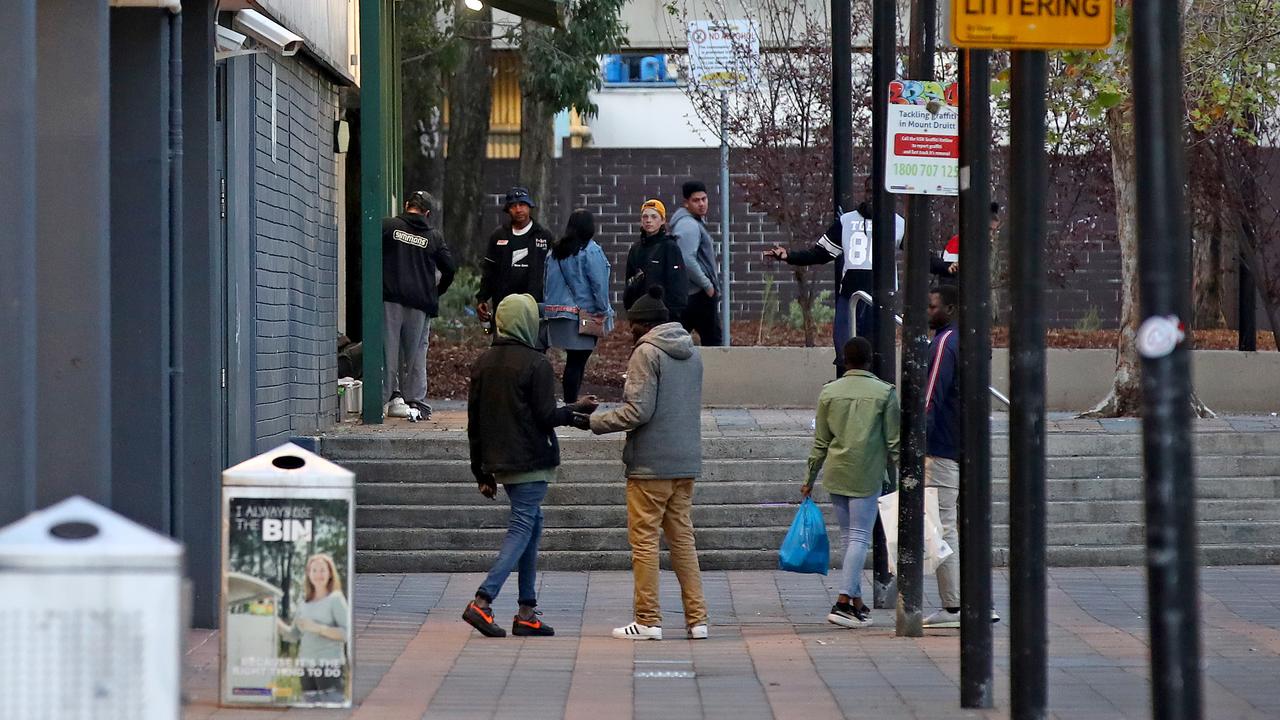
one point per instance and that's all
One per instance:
(514, 264)
(412, 253)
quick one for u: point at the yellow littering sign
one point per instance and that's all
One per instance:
(1032, 24)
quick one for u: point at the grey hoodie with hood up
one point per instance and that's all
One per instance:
(661, 409)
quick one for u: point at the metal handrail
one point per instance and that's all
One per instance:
(862, 296)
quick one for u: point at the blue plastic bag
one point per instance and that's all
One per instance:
(805, 548)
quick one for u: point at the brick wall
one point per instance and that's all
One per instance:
(1084, 274)
(296, 258)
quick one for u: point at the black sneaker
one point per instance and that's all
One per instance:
(531, 628)
(846, 615)
(482, 620)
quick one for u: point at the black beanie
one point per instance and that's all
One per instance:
(649, 309)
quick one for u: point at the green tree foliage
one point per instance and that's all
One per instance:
(562, 65)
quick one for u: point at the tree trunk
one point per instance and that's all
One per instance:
(470, 101)
(1207, 235)
(1257, 215)
(423, 131)
(804, 296)
(1125, 398)
(537, 141)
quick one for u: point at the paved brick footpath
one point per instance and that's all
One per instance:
(770, 654)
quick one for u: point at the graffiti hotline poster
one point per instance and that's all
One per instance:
(286, 609)
(923, 145)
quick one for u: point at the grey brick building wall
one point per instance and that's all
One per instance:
(296, 254)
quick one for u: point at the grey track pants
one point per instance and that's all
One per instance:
(405, 334)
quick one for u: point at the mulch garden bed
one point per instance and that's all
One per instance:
(452, 351)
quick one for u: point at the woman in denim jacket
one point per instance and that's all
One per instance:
(577, 279)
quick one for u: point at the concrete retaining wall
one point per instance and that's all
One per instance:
(1227, 381)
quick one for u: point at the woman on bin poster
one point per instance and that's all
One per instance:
(320, 628)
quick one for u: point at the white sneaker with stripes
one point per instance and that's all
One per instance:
(697, 632)
(636, 631)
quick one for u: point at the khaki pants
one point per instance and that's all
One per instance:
(944, 475)
(665, 505)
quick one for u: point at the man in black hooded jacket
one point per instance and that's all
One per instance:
(417, 269)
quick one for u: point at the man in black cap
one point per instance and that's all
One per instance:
(417, 269)
(515, 261)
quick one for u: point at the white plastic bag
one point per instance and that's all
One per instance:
(935, 548)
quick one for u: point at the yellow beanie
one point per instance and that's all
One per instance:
(656, 205)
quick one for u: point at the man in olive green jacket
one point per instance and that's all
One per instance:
(855, 437)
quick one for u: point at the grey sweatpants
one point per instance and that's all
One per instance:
(404, 335)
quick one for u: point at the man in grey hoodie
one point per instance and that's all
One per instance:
(688, 225)
(661, 412)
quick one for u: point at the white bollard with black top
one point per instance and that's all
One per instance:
(91, 616)
(287, 569)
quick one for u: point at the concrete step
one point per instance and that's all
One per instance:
(570, 471)
(778, 515)
(576, 444)
(418, 561)
(768, 539)
(785, 470)
(1107, 489)
(727, 492)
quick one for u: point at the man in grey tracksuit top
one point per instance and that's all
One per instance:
(661, 412)
(688, 225)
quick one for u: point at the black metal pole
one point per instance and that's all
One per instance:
(884, 270)
(1028, 642)
(1164, 249)
(975, 378)
(915, 344)
(842, 104)
(1247, 318)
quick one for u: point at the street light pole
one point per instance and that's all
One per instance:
(1164, 248)
(1028, 641)
(975, 377)
(915, 344)
(884, 270)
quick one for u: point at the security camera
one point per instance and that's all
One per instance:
(268, 32)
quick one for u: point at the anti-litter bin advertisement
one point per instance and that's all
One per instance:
(287, 519)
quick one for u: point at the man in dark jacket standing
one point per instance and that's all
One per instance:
(688, 225)
(942, 444)
(416, 270)
(511, 422)
(516, 259)
(655, 260)
(661, 412)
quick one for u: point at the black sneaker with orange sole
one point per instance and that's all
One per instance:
(531, 628)
(482, 620)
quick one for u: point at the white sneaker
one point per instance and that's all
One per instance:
(944, 618)
(636, 631)
(398, 408)
(697, 632)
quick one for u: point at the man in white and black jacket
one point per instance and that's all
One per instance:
(417, 269)
(515, 260)
(848, 241)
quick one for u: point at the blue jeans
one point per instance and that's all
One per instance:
(520, 546)
(842, 326)
(857, 516)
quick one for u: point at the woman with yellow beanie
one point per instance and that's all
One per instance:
(655, 259)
